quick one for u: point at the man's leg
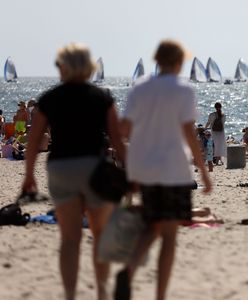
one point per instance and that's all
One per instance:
(166, 257)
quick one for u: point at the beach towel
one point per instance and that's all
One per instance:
(50, 218)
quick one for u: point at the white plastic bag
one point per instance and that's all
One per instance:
(120, 235)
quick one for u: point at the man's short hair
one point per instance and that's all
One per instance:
(169, 53)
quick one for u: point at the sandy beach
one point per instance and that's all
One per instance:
(211, 263)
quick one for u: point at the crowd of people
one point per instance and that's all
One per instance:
(213, 140)
(14, 139)
(158, 120)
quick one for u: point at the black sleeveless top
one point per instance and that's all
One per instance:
(77, 115)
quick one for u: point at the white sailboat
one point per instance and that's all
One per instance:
(139, 70)
(213, 71)
(198, 72)
(241, 73)
(9, 70)
(98, 76)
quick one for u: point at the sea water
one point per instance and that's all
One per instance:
(233, 97)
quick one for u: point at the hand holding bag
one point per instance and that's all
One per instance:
(109, 181)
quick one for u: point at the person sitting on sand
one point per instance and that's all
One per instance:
(202, 215)
(19, 145)
(21, 118)
(18, 151)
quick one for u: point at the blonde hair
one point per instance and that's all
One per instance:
(76, 59)
(169, 53)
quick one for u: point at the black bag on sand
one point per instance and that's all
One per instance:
(109, 181)
(12, 215)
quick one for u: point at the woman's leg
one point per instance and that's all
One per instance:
(69, 216)
(98, 218)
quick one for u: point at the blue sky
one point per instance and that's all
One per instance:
(121, 32)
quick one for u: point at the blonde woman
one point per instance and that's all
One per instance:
(88, 111)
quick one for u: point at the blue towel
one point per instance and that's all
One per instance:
(44, 219)
(50, 219)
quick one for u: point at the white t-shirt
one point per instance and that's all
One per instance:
(157, 109)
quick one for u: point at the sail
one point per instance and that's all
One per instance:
(139, 70)
(198, 72)
(9, 70)
(213, 71)
(98, 76)
(241, 73)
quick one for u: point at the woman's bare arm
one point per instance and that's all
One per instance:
(38, 128)
(114, 133)
(125, 128)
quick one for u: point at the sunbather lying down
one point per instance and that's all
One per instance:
(202, 216)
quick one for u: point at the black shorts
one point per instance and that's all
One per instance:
(166, 202)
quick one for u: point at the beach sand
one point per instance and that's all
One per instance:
(211, 263)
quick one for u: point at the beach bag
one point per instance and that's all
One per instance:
(12, 215)
(120, 236)
(109, 181)
(217, 124)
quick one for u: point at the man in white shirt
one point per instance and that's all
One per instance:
(159, 123)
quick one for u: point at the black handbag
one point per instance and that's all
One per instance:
(109, 181)
(12, 215)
